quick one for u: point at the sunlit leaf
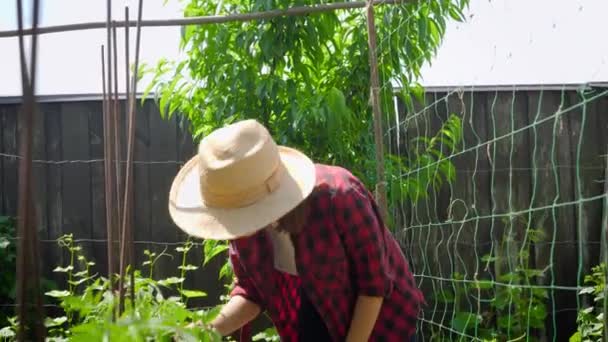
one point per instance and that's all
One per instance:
(63, 269)
(193, 293)
(58, 293)
(171, 281)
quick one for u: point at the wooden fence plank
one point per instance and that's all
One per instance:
(54, 152)
(98, 229)
(11, 164)
(464, 243)
(197, 280)
(566, 250)
(602, 124)
(442, 254)
(2, 158)
(39, 185)
(551, 185)
(163, 139)
(476, 133)
(39, 170)
(141, 183)
(76, 177)
(418, 125)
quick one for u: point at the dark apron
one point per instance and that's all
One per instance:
(310, 324)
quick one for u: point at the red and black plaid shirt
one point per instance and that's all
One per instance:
(343, 251)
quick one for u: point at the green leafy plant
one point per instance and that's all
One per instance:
(427, 164)
(509, 305)
(269, 334)
(160, 312)
(591, 319)
(8, 256)
(8, 265)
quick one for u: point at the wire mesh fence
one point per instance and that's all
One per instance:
(503, 245)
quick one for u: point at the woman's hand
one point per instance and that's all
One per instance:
(234, 315)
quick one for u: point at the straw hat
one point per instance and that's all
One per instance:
(239, 182)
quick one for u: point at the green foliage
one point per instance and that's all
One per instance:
(8, 256)
(269, 334)
(307, 78)
(427, 165)
(591, 319)
(8, 265)
(88, 304)
(507, 306)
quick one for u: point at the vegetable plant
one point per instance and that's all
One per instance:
(591, 319)
(505, 306)
(159, 313)
(8, 256)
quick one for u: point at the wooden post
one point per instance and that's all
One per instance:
(29, 298)
(380, 190)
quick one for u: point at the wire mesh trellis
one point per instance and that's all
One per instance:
(503, 250)
(526, 200)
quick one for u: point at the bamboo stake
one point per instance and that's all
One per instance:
(377, 112)
(214, 19)
(117, 130)
(107, 166)
(604, 246)
(28, 274)
(127, 77)
(111, 195)
(126, 226)
(128, 119)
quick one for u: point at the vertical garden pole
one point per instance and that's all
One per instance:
(377, 111)
(29, 298)
(604, 246)
(127, 247)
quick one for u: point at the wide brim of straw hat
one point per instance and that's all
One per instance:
(189, 212)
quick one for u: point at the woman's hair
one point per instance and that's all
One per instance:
(294, 221)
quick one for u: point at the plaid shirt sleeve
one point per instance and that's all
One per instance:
(358, 221)
(243, 285)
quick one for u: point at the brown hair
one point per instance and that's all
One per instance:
(294, 221)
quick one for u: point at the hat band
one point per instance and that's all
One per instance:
(245, 197)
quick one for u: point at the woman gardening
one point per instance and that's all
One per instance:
(307, 243)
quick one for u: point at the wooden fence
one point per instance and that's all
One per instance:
(69, 191)
(515, 157)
